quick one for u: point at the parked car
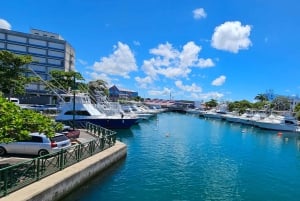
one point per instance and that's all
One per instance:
(37, 144)
(70, 133)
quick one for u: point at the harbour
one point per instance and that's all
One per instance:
(184, 157)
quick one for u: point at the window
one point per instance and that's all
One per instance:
(78, 112)
(57, 45)
(16, 47)
(36, 139)
(56, 54)
(59, 138)
(37, 50)
(16, 38)
(37, 42)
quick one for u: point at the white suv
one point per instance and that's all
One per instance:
(37, 144)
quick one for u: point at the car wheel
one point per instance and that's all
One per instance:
(43, 152)
(2, 151)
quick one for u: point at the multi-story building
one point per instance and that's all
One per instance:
(115, 93)
(49, 52)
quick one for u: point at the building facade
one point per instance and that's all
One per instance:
(49, 52)
(115, 93)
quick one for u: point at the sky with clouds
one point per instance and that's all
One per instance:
(183, 49)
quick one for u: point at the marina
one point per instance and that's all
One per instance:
(175, 156)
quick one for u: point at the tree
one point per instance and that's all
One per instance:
(62, 80)
(240, 106)
(211, 103)
(16, 123)
(98, 86)
(261, 97)
(297, 111)
(12, 73)
(281, 103)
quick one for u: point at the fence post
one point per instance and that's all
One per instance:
(5, 182)
(61, 163)
(37, 168)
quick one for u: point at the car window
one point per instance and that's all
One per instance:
(36, 139)
(59, 138)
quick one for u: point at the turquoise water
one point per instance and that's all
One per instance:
(183, 157)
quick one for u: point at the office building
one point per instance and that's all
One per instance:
(49, 52)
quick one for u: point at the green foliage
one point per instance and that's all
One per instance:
(98, 85)
(138, 98)
(297, 108)
(240, 106)
(297, 111)
(17, 123)
(12, 73)
(261, 97)
(64, 80)
(211, 103)
(281, 103)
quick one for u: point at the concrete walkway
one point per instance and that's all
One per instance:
(55, 186)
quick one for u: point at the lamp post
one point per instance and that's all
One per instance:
(74, 87)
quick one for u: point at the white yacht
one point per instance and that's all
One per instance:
(217, 114)
(278, 122)
(84, 111)
(232, 117)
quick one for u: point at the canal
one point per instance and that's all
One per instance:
(184, 157)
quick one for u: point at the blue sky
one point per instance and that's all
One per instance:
(191, 49)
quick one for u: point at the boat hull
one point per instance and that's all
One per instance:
(276, 126)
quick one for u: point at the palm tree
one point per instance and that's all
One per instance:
(261, 97)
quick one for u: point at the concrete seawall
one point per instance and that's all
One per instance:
(56, 186)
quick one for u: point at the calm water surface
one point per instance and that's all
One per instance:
(183, 157)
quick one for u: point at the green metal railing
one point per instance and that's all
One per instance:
(22, 174)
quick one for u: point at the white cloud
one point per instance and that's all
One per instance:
(174, 72)
(199, 13)
(205, 63)
(4, 24)
(231, 36)
(120, 63)
(219, 81)
(207, 96)
(149, 68)
(189, 54)
(82, 62)
(164, 92)
(191, 88)
(165, 50)
(143, 82)
(172, 63)
(100, 76)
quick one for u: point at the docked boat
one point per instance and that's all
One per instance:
(232, 117)
(216, 114)
(278, 122)
(81, 110)
(133, 110)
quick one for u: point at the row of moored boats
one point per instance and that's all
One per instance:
(282, 122)
(106, 114)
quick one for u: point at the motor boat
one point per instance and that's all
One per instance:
(81, 110)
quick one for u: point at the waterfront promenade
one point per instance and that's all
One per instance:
(57, 185)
